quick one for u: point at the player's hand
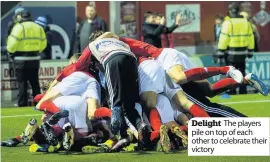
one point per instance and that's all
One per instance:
(162, 21)
(178, 19)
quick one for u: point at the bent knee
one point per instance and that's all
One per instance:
(177, 74)
(149, 99)
(151, 104)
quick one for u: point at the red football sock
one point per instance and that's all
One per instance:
(154, 135)
(38, 97)
(103, 112)
(49, 106)
(204, 73)
(223, 85)
(18, 138)
(197, 111)
(155, 120)
(183, 128)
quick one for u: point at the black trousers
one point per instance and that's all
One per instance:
(121, 76)
(24, 75)
(241, 66)
(215, 109)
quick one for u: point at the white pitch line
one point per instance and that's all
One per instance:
(15, 116)
(226, 103)
(240, 102)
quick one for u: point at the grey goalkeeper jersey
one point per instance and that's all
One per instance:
(103, 49)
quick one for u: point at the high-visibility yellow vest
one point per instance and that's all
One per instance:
(236, 37)
(27, 37)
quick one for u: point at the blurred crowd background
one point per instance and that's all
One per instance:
(191, 27)
(197, 34)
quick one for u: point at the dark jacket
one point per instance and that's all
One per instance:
(152, 33)
(216, 36)
(168, 30)
(47, 53)
(97, 24)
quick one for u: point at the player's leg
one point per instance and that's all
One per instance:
(223, 85)
(77, 107)
(130, 85)
(167, 116)
(175, 94)
(25, 137)
(114, 81)
(182, 101)
(217, 110)
(73, 84)
(181, 118)
(151, 82)
(93, 97)
(181, 70)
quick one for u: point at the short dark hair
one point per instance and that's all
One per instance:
(147, 14)
(95, 35)
(159, 14)
(26, 14)
(234, 7)
(219, 17)
(90, 5)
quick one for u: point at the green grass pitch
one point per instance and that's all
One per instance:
(14, 120)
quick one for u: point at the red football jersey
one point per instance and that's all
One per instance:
(140, 48)
(81, 65)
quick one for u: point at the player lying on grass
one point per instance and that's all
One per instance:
(70, 130)
(78, 82)
(76, 126)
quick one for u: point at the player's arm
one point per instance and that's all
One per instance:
(54, 83)
(84, 60)
(147, 31)
(53, 93)
(92, 105)
(139, 48)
